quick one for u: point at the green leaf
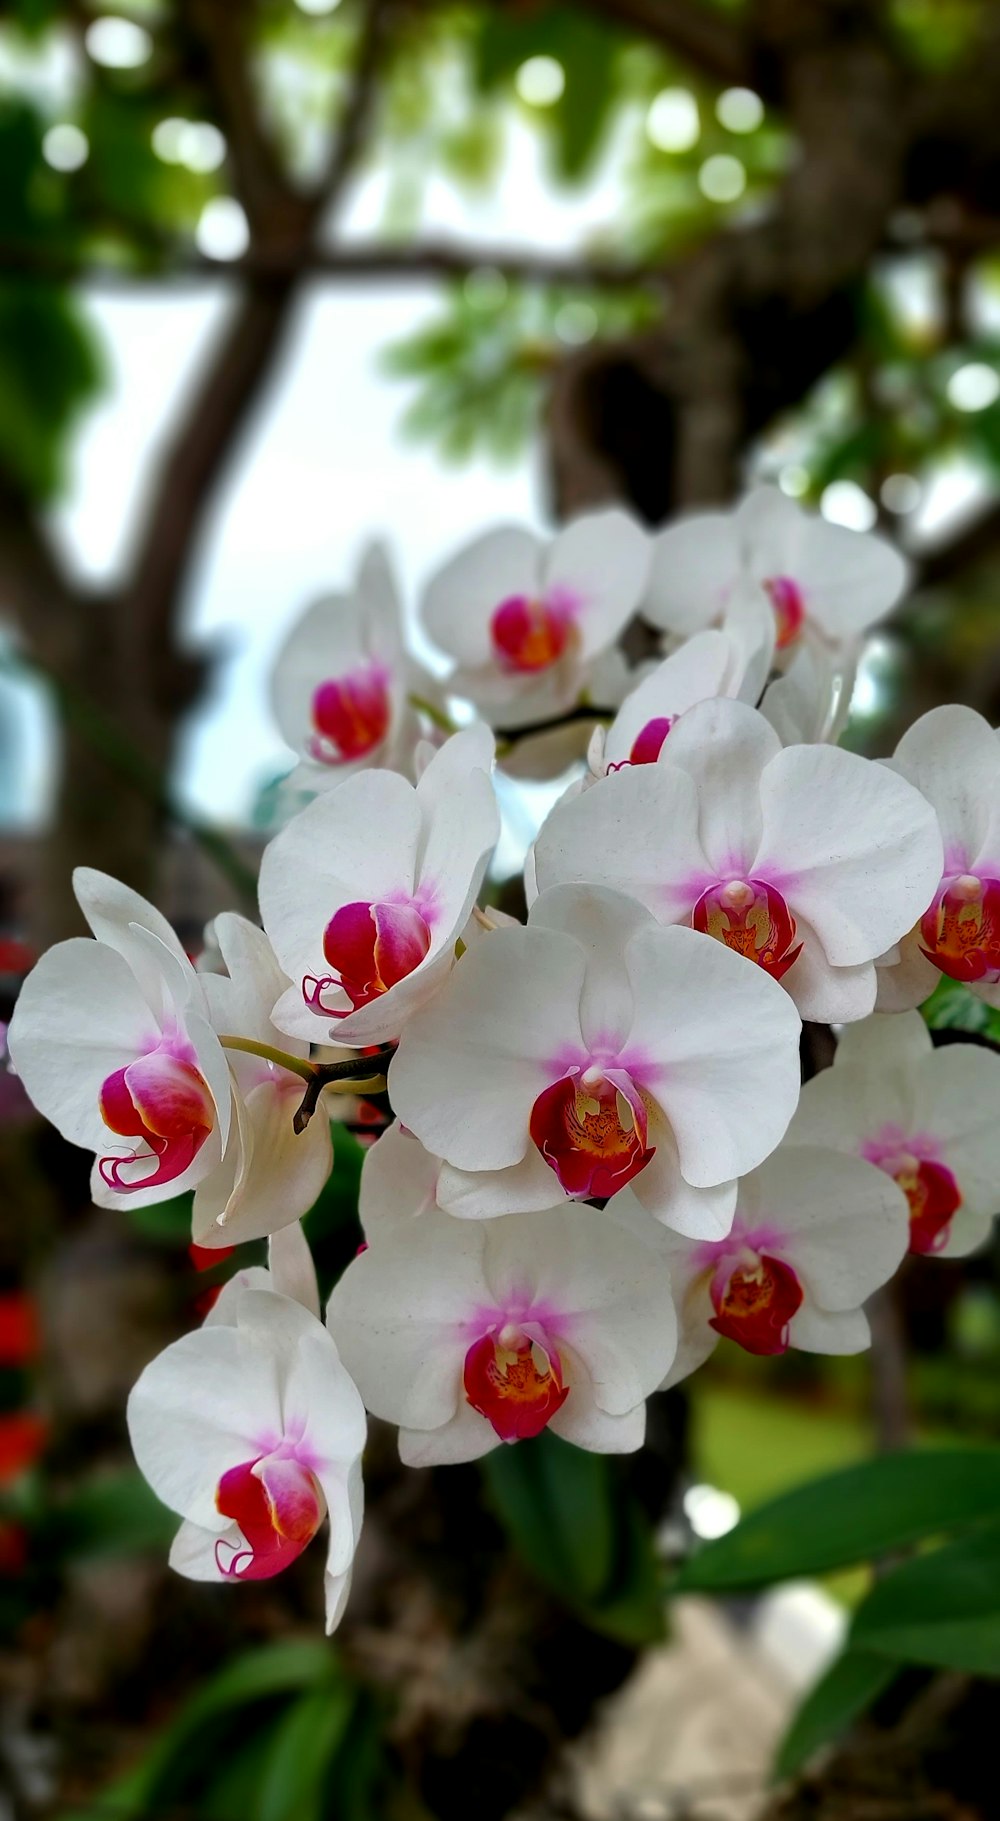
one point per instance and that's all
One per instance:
(842, 1695)
(941, 1609)
(554, 1500)
(952, 1007)
(193, 1744)
(307, 1740)
(579, 1530)
(850, 1517)
(116, 1514)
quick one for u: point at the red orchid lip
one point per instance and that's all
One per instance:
(752, 918)
(514, 1382)
(755, 1304)
(591, 1130)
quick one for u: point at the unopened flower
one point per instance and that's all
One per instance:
(112, 1041)
(365, 893)
(815, 1234)
(952, 755)
(471, 1333)
(524, 619)
(269, 1175)
(593, 1048)
(732, 660)
(809, 861)
(823, 581)
(927, 1117)
(341, 682)
(252, 1431)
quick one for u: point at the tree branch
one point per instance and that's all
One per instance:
(351, 264)
(701, 34)
(234, 379)
(218, 46)
(34, 592)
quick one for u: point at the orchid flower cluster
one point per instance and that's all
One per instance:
(602, 1159)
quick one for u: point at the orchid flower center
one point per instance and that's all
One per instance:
(279, 1507)
(591, 1129)
(369, 948)
(350, 714)
(648, 743)
(529, 635)
(752, 918)
(961, 929)
(164, 1101)
(514, 1381)
(934, 1197)
(786, 599)
(754, 1302)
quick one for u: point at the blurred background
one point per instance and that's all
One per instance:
(274, 278)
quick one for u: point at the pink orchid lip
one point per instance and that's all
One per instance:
(277, 1503)
(960, 930)
(785, 597)
(528, 634)
(931, 1189)
(513, 1377)
(350, 714)
(370, 947)
(164, 1100)
(591, 1128)
(751, 917)
(648, 743)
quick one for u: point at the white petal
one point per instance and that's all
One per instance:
(587, 1426)
(521, 1188)
(204, 1405)
(615, 835)
(662, 1192)
(905, 982)
(952, 755)
(467, 1437)
(111, 907)
(193, 1550)
(602, 922)
(694, 673)
(461, 825)
(397, 1314)
(285, 1175)
(725, 746)
(602, 560)
(460, 598)
(723, 1039)
(398, 1181)
(242, 999)
(355, 844)
(696, 562)
(472, 1063)
(293, 1273)
(884, 1043)
(79, 1017)
(843, 1225)
(815, 1330)
(957, 1101)
(849, 579)
(858, 861)
(826, 994)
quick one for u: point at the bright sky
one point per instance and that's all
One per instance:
(322, 469)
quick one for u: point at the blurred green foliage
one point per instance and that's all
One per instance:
(578, 1527)
(281, 1733)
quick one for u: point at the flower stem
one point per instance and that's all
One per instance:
(435, 715)
(296, 1065)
